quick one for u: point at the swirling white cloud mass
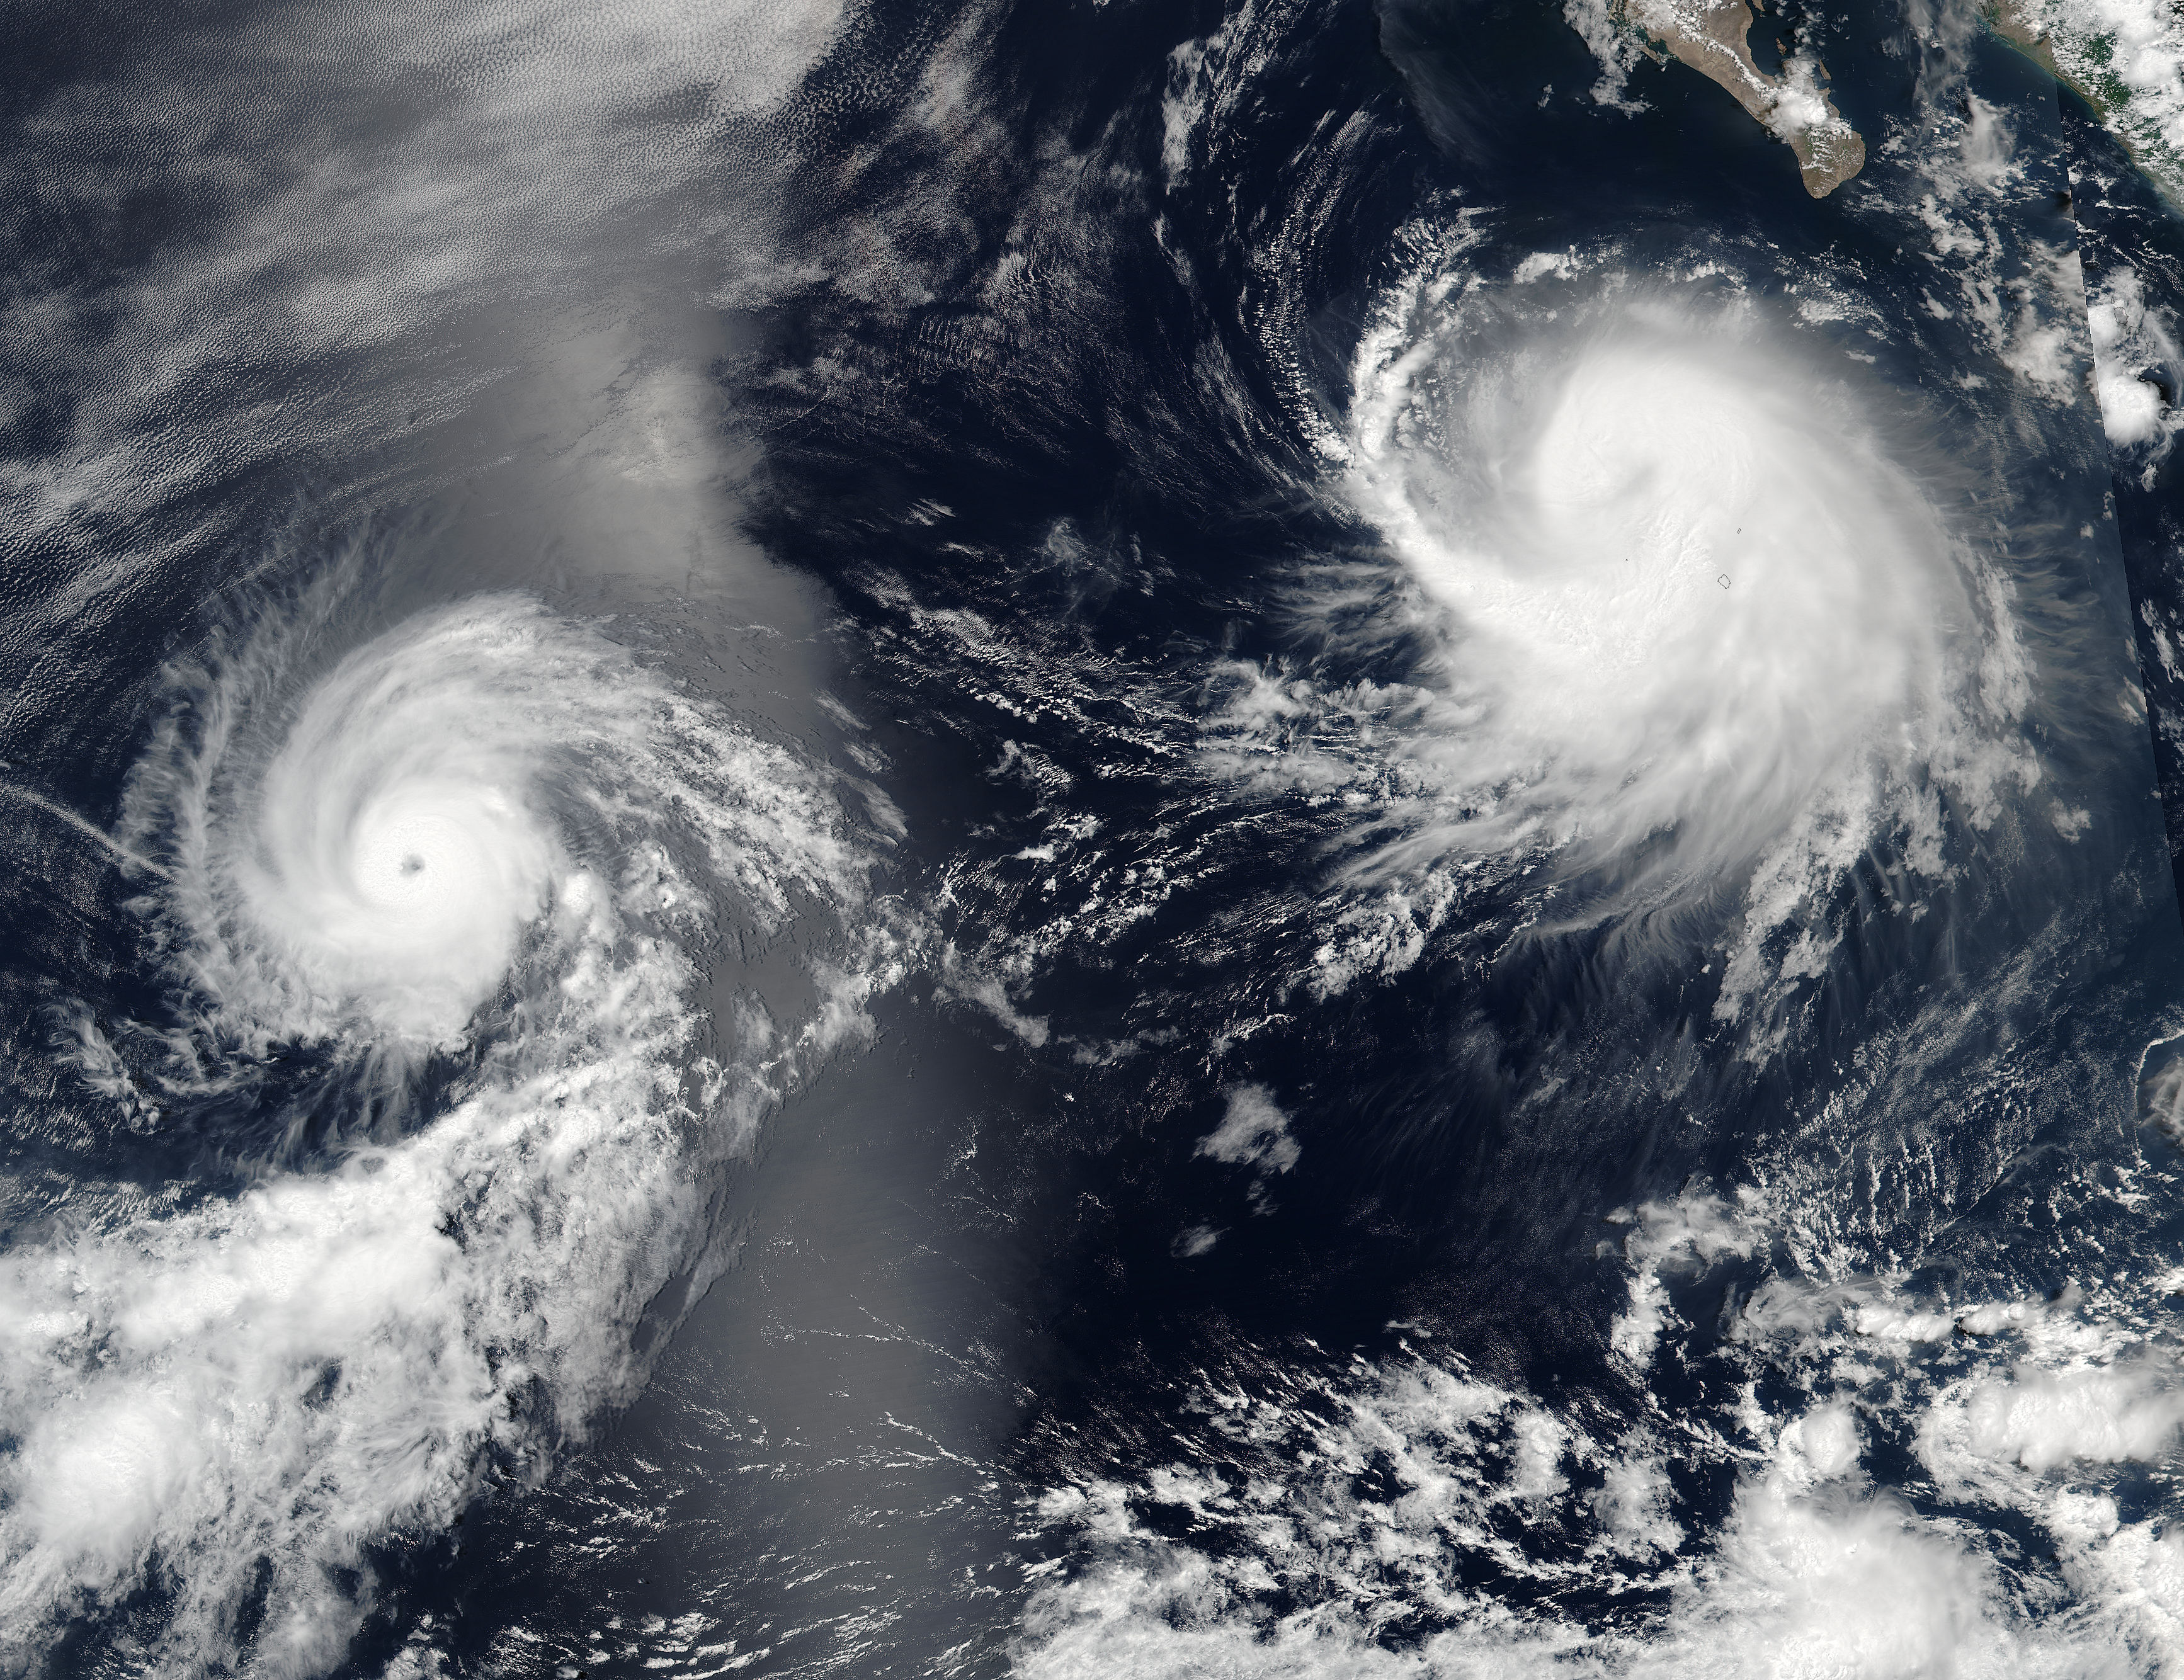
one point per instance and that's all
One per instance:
(486, 844)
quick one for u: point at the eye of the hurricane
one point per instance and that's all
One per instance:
(1678, 586)
(402, 842)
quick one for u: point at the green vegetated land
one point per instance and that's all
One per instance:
(2085, 62)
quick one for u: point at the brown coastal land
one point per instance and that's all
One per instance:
(1710, 36)
(2030, 37)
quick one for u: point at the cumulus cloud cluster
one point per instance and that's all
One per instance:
(1406, 1516)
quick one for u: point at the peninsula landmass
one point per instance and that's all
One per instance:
(1710, 36)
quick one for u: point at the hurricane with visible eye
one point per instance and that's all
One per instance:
(1682, 591)
(490, 841)
(397, 859)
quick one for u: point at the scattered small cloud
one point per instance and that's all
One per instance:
(1254, 1132)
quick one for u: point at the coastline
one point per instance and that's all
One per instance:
(2084, 65)
(1710, 36)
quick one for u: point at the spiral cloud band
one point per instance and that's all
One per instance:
(396, 871)
(1682, 590)
(490, 836)
(1660, 617)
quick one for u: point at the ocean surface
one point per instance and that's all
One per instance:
(1092, 840)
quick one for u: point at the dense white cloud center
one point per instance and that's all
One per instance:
(1656, 615)
(1680, 590)
(398, 851)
